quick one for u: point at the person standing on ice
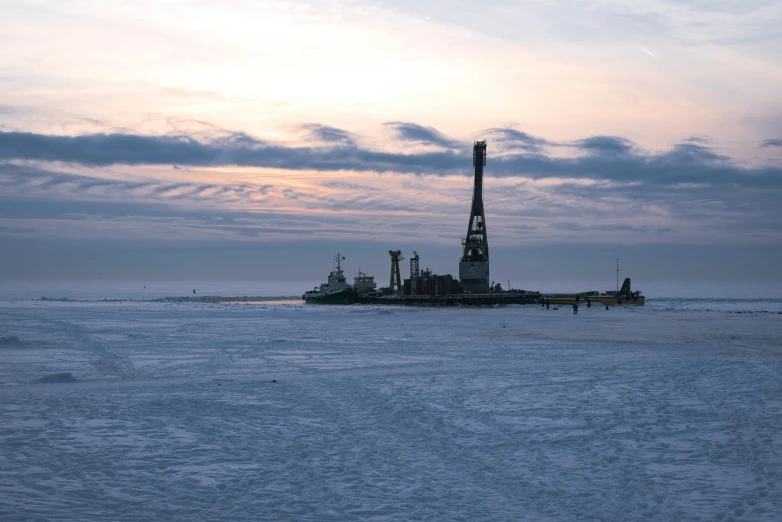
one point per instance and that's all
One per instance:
(575, 308)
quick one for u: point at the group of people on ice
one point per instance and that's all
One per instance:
(547, 303)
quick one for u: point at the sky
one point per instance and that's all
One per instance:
(247, 139)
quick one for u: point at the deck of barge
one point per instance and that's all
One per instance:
(452, 299)
(490, 299)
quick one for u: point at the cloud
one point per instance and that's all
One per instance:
(608, 157)
(111, 149)
(237, 149)
(341, 185)
(25, 180)
(382, 206)
(605, 144)
(611, 188)
(331, 135)
(772, 143)
(576, 227)
(16, 230)
(512, 138)
(702, 139)
(413, 132)
(8, 109)
(686, 24)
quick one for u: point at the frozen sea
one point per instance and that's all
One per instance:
(254, 408)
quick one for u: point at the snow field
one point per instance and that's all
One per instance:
(508, 413)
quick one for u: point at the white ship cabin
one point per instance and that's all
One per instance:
(364, 283)
(336, 279)
(336, 282)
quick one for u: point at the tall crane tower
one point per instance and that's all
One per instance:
(396, 281)
(474, 265)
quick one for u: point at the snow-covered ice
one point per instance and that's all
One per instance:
(672, 411)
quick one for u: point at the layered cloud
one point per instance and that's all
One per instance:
(330, 185)
(609, 158)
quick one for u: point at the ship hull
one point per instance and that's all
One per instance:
(345, 297)
(492, 299)
(489, 299)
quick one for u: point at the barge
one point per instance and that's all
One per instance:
(473, 287)
(427, 289)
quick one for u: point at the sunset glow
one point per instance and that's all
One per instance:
(355, 117)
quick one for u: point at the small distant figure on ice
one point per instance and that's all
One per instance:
(575, 308)
(589, 303)
(548, 304)
(193, 290)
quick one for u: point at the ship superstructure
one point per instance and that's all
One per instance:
(364, 283)
(336, 290)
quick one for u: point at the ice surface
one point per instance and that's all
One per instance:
(667, 412)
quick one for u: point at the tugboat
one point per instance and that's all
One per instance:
(335, 291)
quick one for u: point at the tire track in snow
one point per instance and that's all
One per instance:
(106, 360)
